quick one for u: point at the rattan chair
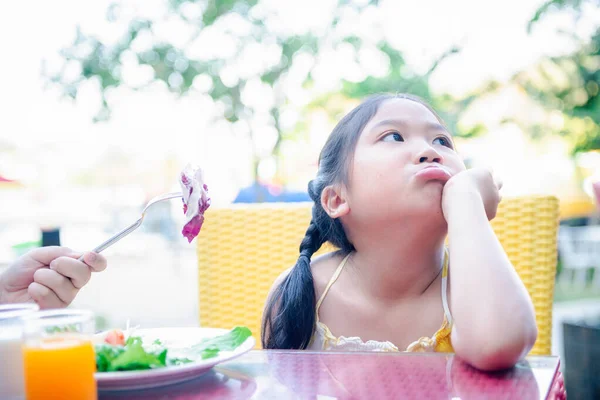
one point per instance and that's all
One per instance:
(244, 247)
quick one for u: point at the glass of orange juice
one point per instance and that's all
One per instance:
(58, 355)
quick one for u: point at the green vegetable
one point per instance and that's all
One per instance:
(209, 348)
(136, 357)
(105, 354)
(228, 341)
(209, 352)
(62, 329)
(133, 355)
(178, 361)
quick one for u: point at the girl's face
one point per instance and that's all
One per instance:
(402, 161)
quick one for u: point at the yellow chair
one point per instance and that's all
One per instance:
(243, 248)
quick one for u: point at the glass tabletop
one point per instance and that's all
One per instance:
(333, 375)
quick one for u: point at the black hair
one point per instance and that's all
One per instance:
(289, 319)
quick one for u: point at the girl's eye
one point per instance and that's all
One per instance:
(443, 141)
(393, 137)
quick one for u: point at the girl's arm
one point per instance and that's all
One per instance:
(494, 319)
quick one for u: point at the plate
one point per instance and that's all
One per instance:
(176, 340)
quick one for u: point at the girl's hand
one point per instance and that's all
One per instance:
(474, 182)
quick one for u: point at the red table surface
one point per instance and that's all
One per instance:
(333, 375)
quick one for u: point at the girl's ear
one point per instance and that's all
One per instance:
(334, 201)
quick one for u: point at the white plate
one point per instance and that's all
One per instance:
(173, 339)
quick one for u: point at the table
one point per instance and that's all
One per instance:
(271, 374)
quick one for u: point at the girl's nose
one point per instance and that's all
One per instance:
(428, 154)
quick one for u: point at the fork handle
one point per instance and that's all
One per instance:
(115, 238)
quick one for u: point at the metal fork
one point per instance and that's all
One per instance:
(114, 239)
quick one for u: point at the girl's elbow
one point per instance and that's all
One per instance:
(500, 352)
(531, 336)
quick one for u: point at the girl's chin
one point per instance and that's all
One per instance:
(430, 193)
(426, 209)
(430, 204)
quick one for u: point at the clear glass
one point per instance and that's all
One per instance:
(12, 383)
(59, 355)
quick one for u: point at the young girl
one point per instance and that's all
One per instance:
(390, 188)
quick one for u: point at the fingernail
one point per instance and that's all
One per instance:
(91, 257)
(52, 264)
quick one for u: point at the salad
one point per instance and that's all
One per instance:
(117, 353)
(195, 200)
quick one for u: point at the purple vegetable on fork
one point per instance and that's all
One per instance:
(195, 200)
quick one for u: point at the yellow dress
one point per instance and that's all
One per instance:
(323, 339)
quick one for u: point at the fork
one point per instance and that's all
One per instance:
(114, 239)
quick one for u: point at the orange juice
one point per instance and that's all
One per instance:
(60, 367)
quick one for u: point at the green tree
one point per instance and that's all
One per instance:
(569, 83)
(246, 25)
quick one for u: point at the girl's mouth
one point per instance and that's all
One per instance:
(434, 173)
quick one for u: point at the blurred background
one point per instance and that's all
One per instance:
(104, 102)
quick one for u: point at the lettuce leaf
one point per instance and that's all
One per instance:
(133, 355)
(105, 354)
(229, 341)
(130, 357)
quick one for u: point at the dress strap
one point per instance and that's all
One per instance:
(445, 287)
(334, 278)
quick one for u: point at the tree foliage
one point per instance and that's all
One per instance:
(570, 83)
(249, 29)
